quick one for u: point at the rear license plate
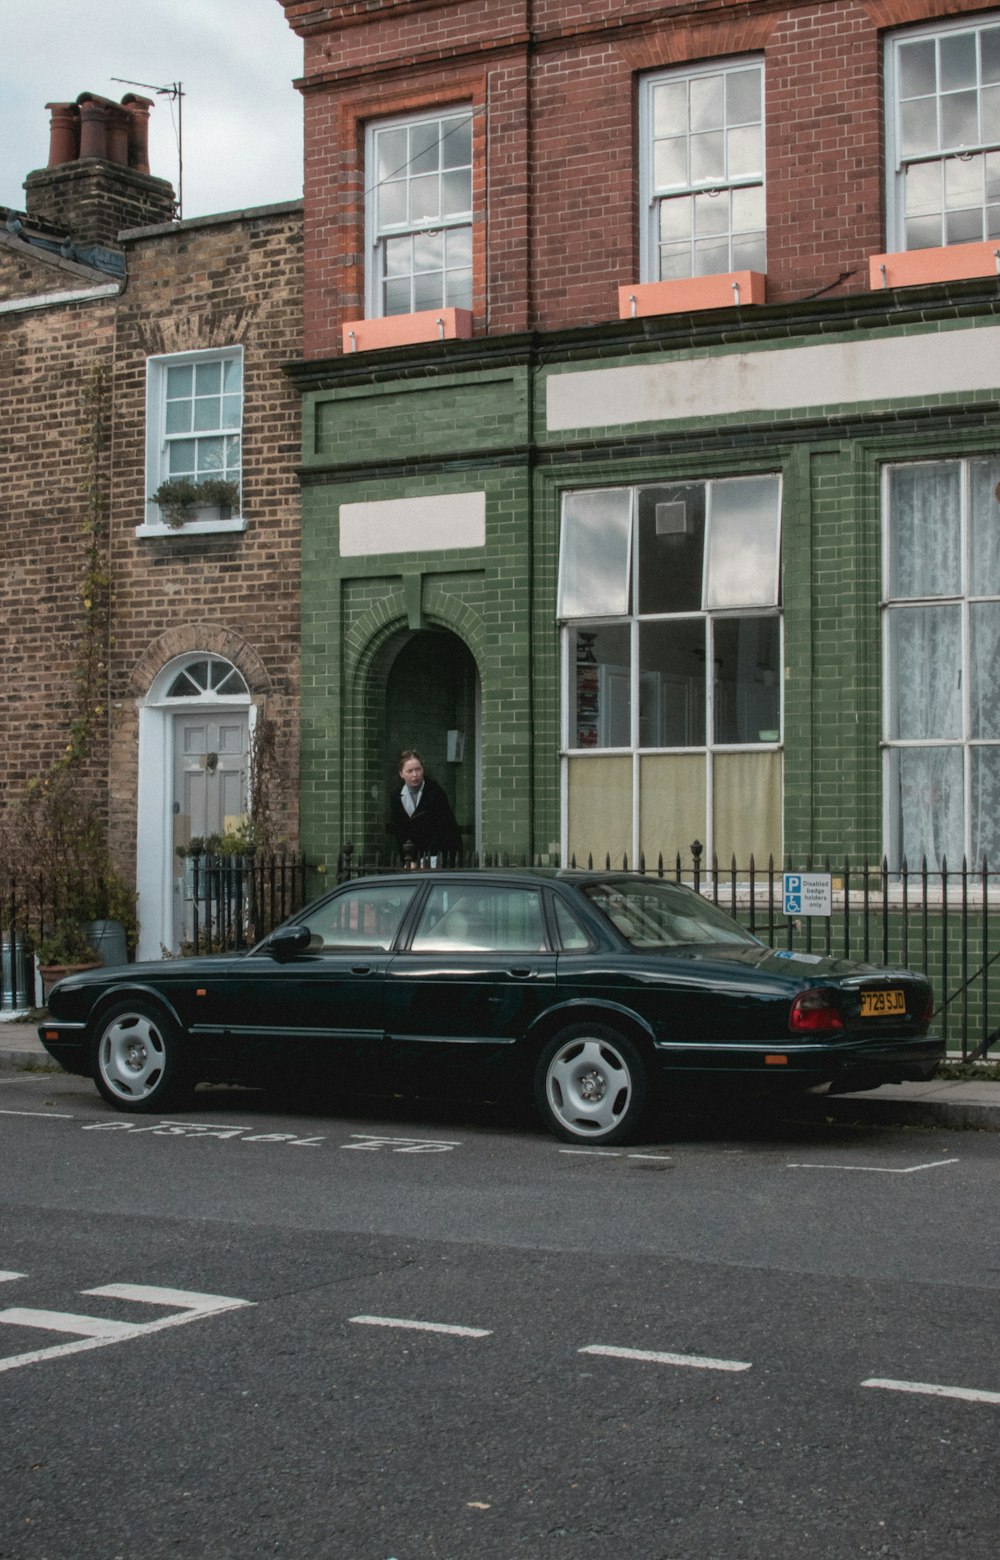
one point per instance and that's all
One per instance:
(876, 1004)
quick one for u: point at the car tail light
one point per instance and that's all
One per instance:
(814, 1012)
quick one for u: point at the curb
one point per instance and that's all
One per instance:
(966, 1115)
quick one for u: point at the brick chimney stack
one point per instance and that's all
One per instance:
(98, 182)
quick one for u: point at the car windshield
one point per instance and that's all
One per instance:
(655, 914)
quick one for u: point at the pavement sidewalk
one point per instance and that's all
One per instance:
(943, 1102)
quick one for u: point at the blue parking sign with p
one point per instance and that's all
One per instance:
(793, 893)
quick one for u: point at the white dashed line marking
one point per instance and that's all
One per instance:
(654, 1357)
(932, 1389)
(435, 1327)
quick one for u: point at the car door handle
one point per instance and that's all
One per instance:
(361, 969)
(521, 970)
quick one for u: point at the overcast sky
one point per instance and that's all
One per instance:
(236, 59)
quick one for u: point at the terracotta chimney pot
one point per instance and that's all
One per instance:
(138, 109)
(64, 134)
(118, 122)
(93, 129)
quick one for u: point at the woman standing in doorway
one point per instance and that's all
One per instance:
(420, 814)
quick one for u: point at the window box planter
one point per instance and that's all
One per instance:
(728, 290)
(950, 263)
(180, 499)
(404, 330)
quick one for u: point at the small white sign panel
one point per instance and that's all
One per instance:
(808, 893)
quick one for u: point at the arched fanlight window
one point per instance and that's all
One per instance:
(210, 675)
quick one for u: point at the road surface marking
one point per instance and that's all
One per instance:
(875, 1169)
(44, 1115)
(931, 1389)
(435, 1327)
(95, 1333)
(205, 1129)
(7, 1278)
(611, 1153)
(65, 1321)
(654, 1357)
(371, 1142)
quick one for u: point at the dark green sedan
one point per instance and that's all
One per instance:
(592, 990)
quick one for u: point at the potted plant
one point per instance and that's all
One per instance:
(63, 951)
(180, 498)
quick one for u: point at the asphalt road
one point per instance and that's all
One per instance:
(399, 1333)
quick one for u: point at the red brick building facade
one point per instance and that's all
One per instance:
(553, 89)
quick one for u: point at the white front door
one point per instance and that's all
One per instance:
(210, 791)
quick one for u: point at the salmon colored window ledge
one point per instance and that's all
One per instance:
(725, 291)
(951, 263)
(403, 330)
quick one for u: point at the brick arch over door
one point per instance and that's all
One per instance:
(200, 638)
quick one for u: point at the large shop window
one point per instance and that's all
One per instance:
(669, 596)
(419, 218)
(194, 420)
(702, 171)
(943, 134)
(942, 661)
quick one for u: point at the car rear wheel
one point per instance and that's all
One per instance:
(591, 1085)
(137, 1063)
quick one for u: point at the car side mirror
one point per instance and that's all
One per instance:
(287, 941)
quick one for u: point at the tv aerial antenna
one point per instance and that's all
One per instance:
(175, 92)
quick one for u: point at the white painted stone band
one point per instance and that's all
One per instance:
(777, 379)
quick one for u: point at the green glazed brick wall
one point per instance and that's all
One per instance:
(452, 414)
(500, 601)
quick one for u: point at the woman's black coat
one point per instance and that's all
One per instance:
(432, 829)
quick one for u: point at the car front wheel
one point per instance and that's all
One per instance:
(591, 1085)
(137, 1058)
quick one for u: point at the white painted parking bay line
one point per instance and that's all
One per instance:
(931, 1389)
(8, 1278)
(653, 1357)
(42, 1115)
(186, 1299)
(435, 1327)
(65, 1321)
(98, 1334)
(877, 1169)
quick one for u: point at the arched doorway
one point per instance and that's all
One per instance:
(194, 745)
(428, 684)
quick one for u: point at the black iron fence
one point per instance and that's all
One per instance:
(232, 902)
(237, 900)
(945, 921)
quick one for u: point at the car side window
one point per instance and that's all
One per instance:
(572, 936)
(480, 919)
(363, 916)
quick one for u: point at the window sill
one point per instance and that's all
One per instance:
(950, 263)
(728, 290)
(193, 528)
(404, 330)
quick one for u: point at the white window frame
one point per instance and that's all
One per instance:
(374, 236)
(964, 600)
(611, 693)
(894, 161)
(650, 197)
(156, 442)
